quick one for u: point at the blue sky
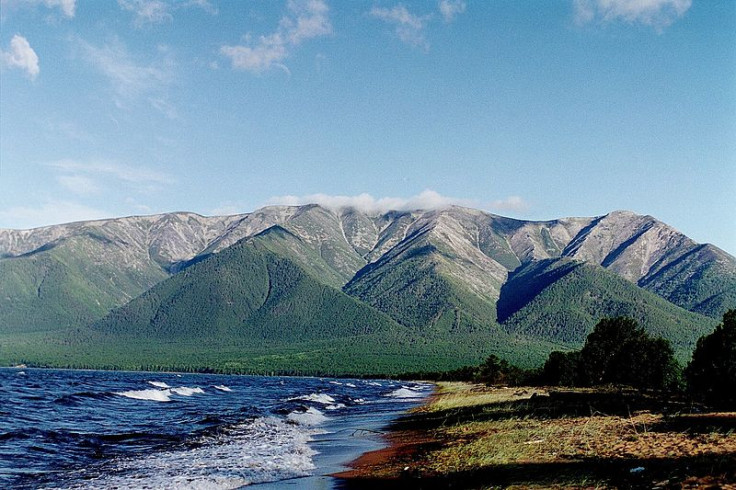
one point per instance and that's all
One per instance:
(529, 109)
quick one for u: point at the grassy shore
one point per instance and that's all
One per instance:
(474, 436)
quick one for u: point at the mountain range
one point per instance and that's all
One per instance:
(309, 289)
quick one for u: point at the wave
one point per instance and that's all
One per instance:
(406, 392)
(152, 395)
(160, 395)
(322, 398)
(263, 450)
(310, 417)
(159, 384)
(81, 397)
(186, 391)
(222, 388)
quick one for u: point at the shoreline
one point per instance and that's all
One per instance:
(391, 464)
(474, 436)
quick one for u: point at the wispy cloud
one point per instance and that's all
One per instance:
(49, 213)
(21, 56)
(67, 7)
(121, 172)
(451, 9)
(426, 200)
(79, 184)
(148, 12)
(97, 177)
(130, 79)
(409, 27)
(307, 19)
(656, 13)
(511, 203)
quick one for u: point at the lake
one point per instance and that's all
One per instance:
(110, 429)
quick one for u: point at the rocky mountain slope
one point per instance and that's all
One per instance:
(438, 272)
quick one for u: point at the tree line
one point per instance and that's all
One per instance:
(619, 352)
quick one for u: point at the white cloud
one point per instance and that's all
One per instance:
(269, 52)
(203, 4)
(22, 56)
(511, 203)
(426, 200)
(409, 27)
(79, 184)
(656, 13)
(451, 9)
(160, 11)
(307, 19)
(131, 80)
(125, 173)
(67, 7)
(147, 11)
(50, 213)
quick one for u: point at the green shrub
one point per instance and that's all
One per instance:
(711, 375)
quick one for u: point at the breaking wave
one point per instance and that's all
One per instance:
(315, 397)
(160, 395)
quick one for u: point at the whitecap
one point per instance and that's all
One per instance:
(186, 391)
(153, 395)
(374, 383)
(335, 383)
(263, 450)
(350, 385)
(405, 392)
(159, 384)
(222, 388)
(322, 398)
(335, 406)
(311, 417)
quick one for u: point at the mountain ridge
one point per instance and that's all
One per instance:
(441, 274)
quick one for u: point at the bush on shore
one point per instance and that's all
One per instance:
(711, 375)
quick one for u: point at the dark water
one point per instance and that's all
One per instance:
(101, 429)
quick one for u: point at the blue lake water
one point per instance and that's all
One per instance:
(106, 429)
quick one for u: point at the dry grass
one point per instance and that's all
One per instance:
(491, 428)
(451, 395)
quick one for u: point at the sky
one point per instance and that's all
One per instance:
(528, 109)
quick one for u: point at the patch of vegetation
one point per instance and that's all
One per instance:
(711, 375)
(476, 436)
(710, 288)
(560, 300)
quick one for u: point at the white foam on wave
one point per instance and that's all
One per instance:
(406, 392)
(350, 385)
(159, 384)
(152, 395)
(264, 450)
(160, 395)
(336, 406)
(186, 391)
(322, 398)
(374, 383)
(309, 418)
(222, 388)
